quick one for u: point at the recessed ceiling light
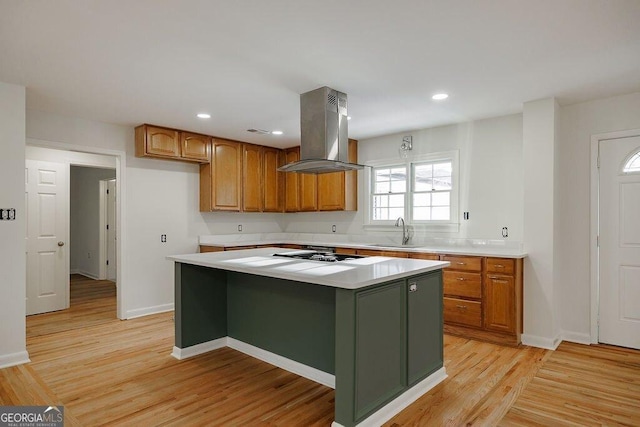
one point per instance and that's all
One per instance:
(276, 132)
(440, 96)
(204, 116)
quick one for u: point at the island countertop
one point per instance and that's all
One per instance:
(348, 274)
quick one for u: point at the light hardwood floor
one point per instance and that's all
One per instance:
(111, 372)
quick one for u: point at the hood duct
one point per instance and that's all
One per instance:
(323, 133)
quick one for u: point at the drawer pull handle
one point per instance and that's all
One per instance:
(499, 266)
(462, 279)
(495, 279)
(460, 263)
(461, 307)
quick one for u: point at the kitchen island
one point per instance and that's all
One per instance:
(370, 327)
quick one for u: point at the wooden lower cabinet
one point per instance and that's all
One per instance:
(483, 298)
(503, 295)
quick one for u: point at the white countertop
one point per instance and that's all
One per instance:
(474, 247)
(351, 274)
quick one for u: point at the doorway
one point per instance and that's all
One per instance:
(88, 157)
(617, 255)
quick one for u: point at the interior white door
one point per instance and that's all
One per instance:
(111, 230)
(619, 236)
(47, 199)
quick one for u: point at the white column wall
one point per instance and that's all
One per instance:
(13, 349)
(539, 139)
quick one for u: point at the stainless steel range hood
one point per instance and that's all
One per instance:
(323, 133)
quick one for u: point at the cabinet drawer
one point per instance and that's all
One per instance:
(422, 255)
(464, 263)
(463, 312)
(462, 284)
(500, 265)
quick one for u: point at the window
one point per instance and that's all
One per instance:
(389, 188)
(432, 191)
(633, 165)
(423, 190)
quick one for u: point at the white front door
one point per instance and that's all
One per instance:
(619, 236)
(46, 198)
(111, 230)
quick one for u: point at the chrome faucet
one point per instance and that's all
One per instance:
(405, 234)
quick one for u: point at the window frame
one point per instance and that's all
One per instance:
(451, 225)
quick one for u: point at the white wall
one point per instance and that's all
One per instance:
(84, 213)
(12, 233)
(541, 326)
(490, 175)
(577, 123)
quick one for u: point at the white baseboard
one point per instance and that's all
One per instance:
(86, 274)
(13, 359)
(139, 312)
(194, 350)
(541, 342)
(576, 337)
(297, 368)
(394, 407)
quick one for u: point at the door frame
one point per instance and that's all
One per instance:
(595, 222)
(121, 159)
(102, 269)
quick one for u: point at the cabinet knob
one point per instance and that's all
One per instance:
(461, 307)
(61, 243)
(462, 279)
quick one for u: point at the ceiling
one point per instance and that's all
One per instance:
(246, 61)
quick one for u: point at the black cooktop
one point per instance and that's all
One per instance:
(318, 256)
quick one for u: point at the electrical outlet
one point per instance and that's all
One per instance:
(333, 228)
(89, 255)
(240, 227)
(465, 215)
(163, 238)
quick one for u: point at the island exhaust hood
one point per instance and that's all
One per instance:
(323, 133)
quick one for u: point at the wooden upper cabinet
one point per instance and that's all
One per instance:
(157, 141)
(252, 178)
(221, 180)
(308, 188)
(292, 182)
(337, 191)
(272, 180)
(195, 146)
(171, 144)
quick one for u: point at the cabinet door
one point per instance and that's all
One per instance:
(195, 146)
(292, 187)
(380, 369)
(162, 142)
(331, 191)
(272, 180)
(499, 304)
(226, 175)
(424, 326)
(252, 178)
(308, 192)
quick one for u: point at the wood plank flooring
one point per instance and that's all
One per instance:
(111, 372)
